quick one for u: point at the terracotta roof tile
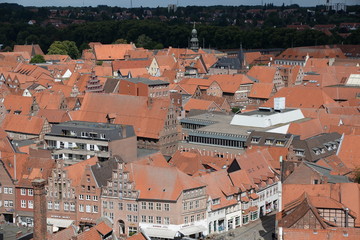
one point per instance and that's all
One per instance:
(111, 51)
(23, 124)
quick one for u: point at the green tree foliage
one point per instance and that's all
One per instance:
(64, 48)
(120, 41)
(37, 59)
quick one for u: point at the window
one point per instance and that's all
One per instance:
(50, 204)
(192, 218)
(186, 220)
(151, 219)
(158, 220)
(185, 205)
(105, 204)
(95, 209)
(245, 219)
(81, 207)
(81, 197)
(143, 205)
(269, 141)
(91, 147)
(135, 208)
(88, 197)
(88, 208)
(120, 206)
(280, 142)
(30, 192)
(191, 205)
(102, 136)
(111, 205)
(216, 201)
(23, 203)
(255, 140)
(111, 216)
(31, 204)
(132, 230)
(57, 206)
(299, 152)
(95, 198)
(135, 218)
(197, 204)
(23, 191)
(129, 218)
(6, 203)
(151, 206)
(66, 206)
(167, 206)
(6, 190)
(158, 206)
(72, 207)
(10, 190)
(129, 208)
(143, 218)
(166, 220)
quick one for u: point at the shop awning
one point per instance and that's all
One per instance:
(60, 223)
(159, 232)
(192, 230)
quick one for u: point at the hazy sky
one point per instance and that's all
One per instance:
(162, 3)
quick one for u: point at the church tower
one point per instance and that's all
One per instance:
(194, 42)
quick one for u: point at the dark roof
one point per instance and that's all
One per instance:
(263, 136)
(142, 152)
(228, 63)
(324, 171)
(147, 81)
(103, 170)
(110, 85)
(317, 143)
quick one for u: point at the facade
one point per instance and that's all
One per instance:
(144, 87)
(7, 194)
(170, 202)
(75, 141)
(72, 195)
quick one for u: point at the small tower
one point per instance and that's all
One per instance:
(194, 41)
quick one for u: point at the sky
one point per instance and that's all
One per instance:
(163, 3)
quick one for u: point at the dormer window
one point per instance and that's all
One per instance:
(317, 151)
(255, 139)
(299, 152)
(269, 141)
(280, 143)
(216, 201)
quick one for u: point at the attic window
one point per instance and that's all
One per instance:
(299, 152)
(216, 201)
(280, 143)
(255, 139)
(17, 112)
(269, 141)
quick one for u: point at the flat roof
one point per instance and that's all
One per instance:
(91, 125)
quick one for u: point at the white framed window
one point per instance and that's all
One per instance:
(88, 208)
(66, 206)
(129, 218)
(158, 220)
(6, 190)
(31, 204)
(111, 205)
(72, 207)
(143, 205)
(95, 198)
(88, 197)
(56, 205)
(129, 206)
(50, 205)
(158, 206)
(143, 218)
(151, 219)
(23, 203)
(81, 207)
(30, 192)
(95, 209)
(23, 191)
(166, 220)
(135, 218)
(167, 207)
(120, 206)
(6, 203)
(81, 197)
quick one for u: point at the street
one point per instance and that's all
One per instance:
(261, 229)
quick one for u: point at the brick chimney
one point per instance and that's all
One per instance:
(40, 227)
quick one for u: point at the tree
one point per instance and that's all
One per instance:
(120, 41)
(37, 59)
(64, 48)
(356, 175)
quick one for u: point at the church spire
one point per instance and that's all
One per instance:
(194, 41)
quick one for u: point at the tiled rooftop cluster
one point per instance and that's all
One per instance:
(180, 143)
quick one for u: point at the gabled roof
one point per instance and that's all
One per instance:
(261, 90)
(201, 105)
(23, 124)
(349, 151)
(111, 51)
(303, 97)
(263, 74)
(230, 83)
(161, 183)
(18, 103)
(75, 172)
(30, 49)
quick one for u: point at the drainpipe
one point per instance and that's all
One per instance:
(346, 217)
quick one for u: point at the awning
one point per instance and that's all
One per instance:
(159, 232)
(60, 223)
(192, 230)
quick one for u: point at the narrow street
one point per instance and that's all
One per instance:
(261, 229)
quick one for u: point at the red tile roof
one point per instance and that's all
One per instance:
(23, 124)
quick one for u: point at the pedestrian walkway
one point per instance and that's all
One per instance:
(261, 229)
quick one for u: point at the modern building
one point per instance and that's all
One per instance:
(75, 141)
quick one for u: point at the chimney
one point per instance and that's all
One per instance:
(40, 228)
(346, 217)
